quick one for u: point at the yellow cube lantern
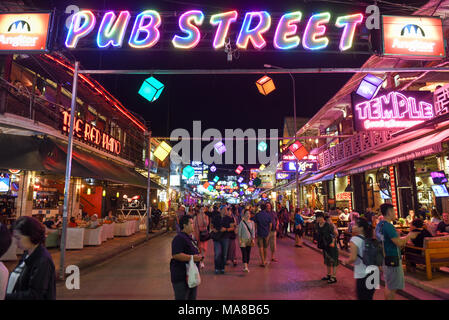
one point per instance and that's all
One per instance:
(162, 151)
(265, 85)
(262, 167)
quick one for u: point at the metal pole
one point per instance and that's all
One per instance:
(296, 130)
(265, 71)
(147, 236)
(68, 170)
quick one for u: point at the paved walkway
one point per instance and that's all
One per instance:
(143, 273)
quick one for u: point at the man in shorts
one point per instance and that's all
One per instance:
(263, 222)
(392, 268)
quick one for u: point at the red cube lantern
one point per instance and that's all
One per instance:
(298, 150)
(239, 170)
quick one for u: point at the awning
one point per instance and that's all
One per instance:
(323, 176)
(418, 148)
(49, 156)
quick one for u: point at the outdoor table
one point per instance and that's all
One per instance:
(142, 213)
(104, 235)
(92, 237)
(75, 238)
(122, 229)
(108, 230)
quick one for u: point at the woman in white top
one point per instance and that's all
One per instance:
(5, 243)
(362, 230)
(246, 235)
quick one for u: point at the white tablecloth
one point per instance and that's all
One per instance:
(122, 229)
(92, 237)
(75, 238)
(108, 230)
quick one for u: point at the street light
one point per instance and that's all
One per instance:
(269, 66)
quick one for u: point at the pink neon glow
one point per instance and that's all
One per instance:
(315, 29)
(390, 124)
(285, 37)
(223, 20)
(193, 33)
(78, 30)
(110, 32)
(391, 109)
(254, 35)
(349, 23)
(151, 29)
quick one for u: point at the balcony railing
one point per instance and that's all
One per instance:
(23, 103)
(352, 147)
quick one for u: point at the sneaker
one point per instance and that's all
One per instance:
(326, 278)
(222, 271)
(217, 271)
(332, 280)
(245, 270)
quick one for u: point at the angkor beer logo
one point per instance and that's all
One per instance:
(413, 38)
(16, 35)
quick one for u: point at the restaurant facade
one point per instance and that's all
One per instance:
(109, 161)
(390, 146)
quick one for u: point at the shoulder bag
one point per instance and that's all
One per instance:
(251, 243)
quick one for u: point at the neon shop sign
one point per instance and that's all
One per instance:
(393, 110)
(145, 31)
(89, 133)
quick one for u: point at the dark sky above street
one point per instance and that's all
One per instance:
(221, 101)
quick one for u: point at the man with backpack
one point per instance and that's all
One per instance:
(392, 243)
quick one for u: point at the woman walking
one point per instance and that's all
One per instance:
(34, 277)
(247, 236)
(299, 228)
(232, 235)
(202, 235)
(362, 230)
(327, 236)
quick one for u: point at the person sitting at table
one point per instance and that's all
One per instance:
(344, 216)
(417, 225)
(411, 216)
(93, 222)
(443, 226)
(72, 223)
(111, 218)
(58, 222)
(49, 223)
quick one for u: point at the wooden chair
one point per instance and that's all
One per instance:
(435, 254)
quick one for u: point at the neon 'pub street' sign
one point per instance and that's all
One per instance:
(145, 31)
(392, 110)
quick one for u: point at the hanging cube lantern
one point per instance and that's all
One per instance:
(162, 151)
(251, 183)
(257, 182)
(213, 168)
(369, 87)
(210, 188)
(240, 180)
(188, 172)
(220, 147)
(151, 89)
(216, 178)
(206, 185)
(262, 167)
(265, 85)
(298, 150)
(262, 147)
(239, 170)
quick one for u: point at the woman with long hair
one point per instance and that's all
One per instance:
(201, 231)
(362, 231)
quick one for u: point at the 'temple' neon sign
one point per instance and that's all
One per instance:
(145, 30)
(393, 110)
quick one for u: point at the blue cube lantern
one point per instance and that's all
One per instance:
(151, 89)
(188, 172)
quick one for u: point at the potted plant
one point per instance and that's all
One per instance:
(401, 222)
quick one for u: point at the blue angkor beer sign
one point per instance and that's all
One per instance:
(304, 166)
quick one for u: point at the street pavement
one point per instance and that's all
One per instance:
(143, 273)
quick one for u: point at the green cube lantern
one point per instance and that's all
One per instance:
(216, 178)
(188, 172)
(151, 89)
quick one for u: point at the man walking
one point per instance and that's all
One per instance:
(392, 268)
(263, 222)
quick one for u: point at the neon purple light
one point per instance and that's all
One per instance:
(220, 147)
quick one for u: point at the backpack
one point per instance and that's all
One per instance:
(373, 253)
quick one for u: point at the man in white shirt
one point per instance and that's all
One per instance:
(344, 216)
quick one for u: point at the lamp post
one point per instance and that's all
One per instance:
(296, 129)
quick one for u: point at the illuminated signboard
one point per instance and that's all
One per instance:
(304, 166)
(392, 110)
(115, 29)
(24, 32)
(413, 37)
(344, 196)
(282, 175)
(89, 133)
